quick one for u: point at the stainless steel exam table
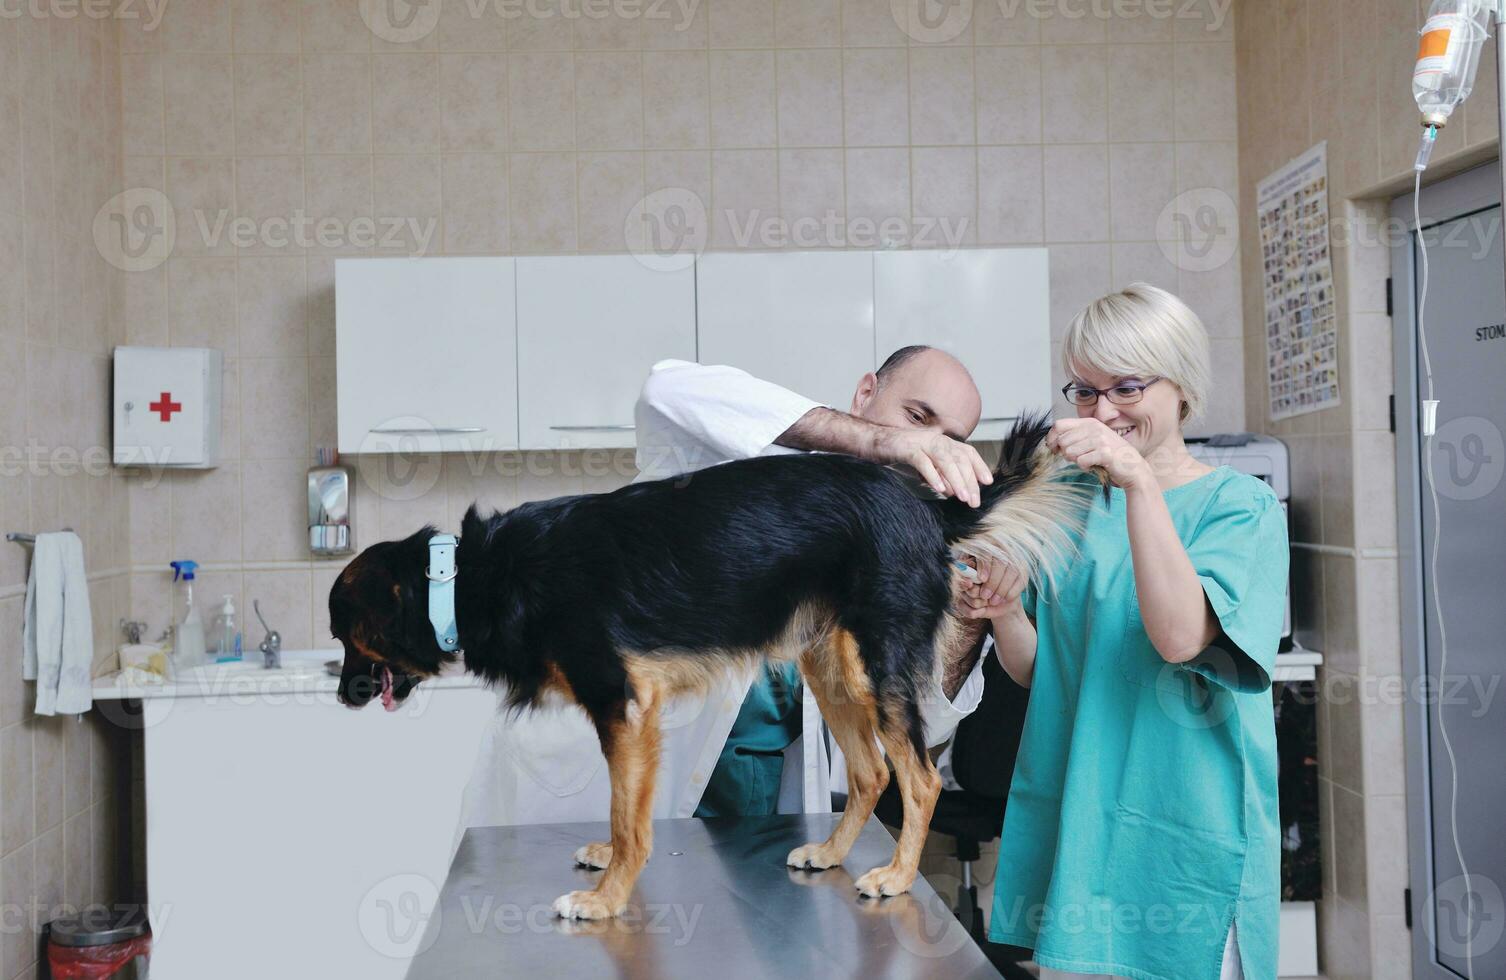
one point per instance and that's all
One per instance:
(715, 901)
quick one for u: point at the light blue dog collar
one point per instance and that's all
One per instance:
(441, 575)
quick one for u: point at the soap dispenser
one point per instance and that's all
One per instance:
(188, 646)
(227, 635)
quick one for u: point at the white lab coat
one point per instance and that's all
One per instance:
(546, 765)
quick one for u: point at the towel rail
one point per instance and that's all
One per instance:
(21, 537)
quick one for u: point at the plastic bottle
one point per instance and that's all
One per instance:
(227, 635)
(188, 646)
(1448, 56)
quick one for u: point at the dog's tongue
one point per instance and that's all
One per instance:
(387, 701)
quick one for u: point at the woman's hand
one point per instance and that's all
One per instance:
(991, 594)
(1089, 443)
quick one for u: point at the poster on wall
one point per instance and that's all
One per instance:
(1301, 328)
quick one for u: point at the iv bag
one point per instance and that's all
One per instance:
(1448, 56)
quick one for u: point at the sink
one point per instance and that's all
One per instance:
(293, 668)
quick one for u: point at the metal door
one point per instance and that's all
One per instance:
(1455, 719)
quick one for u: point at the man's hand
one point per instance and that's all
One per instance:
(1089, 443)
(951, 468)
(991, 594)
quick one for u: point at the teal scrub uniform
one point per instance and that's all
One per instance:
(1142, 820)
(745, 781)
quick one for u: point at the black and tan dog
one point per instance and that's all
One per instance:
(619, 601)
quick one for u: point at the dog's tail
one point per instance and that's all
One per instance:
(1028, 517)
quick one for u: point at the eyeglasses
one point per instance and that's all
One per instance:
(1123, 393)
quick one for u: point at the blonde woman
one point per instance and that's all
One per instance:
(1140, 838)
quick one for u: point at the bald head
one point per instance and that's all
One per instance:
(920, 388)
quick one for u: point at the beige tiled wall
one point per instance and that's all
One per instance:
(534, 134)
(60, 153)
(1340, 71)
(494, 134)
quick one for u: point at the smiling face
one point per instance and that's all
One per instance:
(929, 390)
(378, 609)
(1147, 424)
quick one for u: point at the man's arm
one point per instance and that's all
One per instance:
(958, 687)
(709, 410)
(739, 416)
(951, 468)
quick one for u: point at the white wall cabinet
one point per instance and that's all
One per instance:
(803, 320)
(589, 329)
(480, 354)
(426, 355)
(989, 307)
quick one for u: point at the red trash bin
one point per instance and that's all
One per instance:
(97, 945)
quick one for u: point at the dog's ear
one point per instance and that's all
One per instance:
(473, 526)
(380, 600)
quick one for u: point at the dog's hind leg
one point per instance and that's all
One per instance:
(630, 741)
(919, 786)
(834, 673)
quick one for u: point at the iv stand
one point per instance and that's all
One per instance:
(1500, 6)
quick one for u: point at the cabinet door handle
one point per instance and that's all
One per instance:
(592, 428)
(430, 430)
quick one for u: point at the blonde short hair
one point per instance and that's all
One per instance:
(1142, 330)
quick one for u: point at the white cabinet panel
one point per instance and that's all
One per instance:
(426, 354)
(803, 320)
(989, 307)
(589, 329)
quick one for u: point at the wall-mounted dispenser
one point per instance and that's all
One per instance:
(329, 511)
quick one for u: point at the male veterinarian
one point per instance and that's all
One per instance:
(752, 745)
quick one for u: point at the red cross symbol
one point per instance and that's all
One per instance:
(166, 407)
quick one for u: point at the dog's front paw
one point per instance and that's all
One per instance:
(816, 857)
(887, 880)
(594, 856)
(583, 905)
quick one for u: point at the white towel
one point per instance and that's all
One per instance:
(58, 636)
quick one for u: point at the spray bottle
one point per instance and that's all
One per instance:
(188, 647)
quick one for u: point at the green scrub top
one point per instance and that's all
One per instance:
(1142, 819)
(745, 781)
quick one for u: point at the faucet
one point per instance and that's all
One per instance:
(271, 644)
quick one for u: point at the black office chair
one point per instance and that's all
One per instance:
(983, 757)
